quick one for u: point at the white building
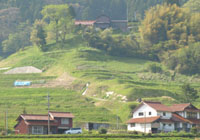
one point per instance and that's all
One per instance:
(153, 117)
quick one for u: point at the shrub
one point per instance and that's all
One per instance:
(154, 68)
(3, 133)
(132, 132)
(102, 130)
(194, 130)
(149, 134)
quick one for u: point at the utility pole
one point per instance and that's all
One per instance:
(48, 115)
(6, 122)
(135, 16)
(127, 10)
(117, 122)
(145, 122)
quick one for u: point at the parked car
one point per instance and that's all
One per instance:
(73, 131)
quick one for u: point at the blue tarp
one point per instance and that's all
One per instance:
(22, 83)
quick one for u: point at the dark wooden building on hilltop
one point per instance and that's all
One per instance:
(104, 22)
(38, 124)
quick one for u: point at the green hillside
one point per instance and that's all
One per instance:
(111, 80)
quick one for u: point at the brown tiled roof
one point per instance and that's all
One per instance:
(194, 121)
(179, 107)
(143, 120)
(61, 114)
(192, 110)
(84, 22)
(34, 117)
(182, 107)
(158, 106)
(178, 118)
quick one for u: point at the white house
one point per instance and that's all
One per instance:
(153, 117)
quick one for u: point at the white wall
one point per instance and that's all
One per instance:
(167, 127)
(168, 115)
(198, 115)
(140, 127)
(189, 125)
(181, 114)
(145, 109)
(181, 125)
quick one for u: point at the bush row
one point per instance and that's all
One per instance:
(107, 135)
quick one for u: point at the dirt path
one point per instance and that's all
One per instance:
(64, 81)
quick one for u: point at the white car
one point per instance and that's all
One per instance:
(73, 131)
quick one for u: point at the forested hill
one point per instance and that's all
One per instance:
(164, 30)
(86, 9)
(18, 14)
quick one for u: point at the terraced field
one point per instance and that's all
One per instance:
(126, 78)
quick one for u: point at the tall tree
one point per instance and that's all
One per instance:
(59, 18)
(193, 5)
(177, 2)
(17, 40)
(190, 94)
(163, 23)
(38, 34)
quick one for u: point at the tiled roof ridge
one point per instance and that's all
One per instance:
(85, 20)
(152, 102)
(59, 112)
(34, 114)
(181, 118)
(183, 104)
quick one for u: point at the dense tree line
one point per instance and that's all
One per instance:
(170, 34)
(169, 29)
(119, 45)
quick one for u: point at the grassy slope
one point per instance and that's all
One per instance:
(105, 73)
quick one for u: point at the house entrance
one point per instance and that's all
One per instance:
(154, 130)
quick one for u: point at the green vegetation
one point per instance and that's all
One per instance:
(170, 136)
(190, 94)
(105, 73)
(166, 35)
(152, 63)
(193, 5)
(102, 130)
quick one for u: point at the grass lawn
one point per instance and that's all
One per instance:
(168, 138)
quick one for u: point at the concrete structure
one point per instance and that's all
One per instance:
(153, 117)
(104, 22)
(24, 70)
(38, 124)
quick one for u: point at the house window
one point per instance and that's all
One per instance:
(170, 124)
(64, 121)
(164, 113)
(37, 129)
(149, 113)
(192, 115)
(133, 125)
(141, 114)
(164, 124)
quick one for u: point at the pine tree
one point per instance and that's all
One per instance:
(190, 94)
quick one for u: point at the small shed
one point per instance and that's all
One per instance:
(95, 126)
